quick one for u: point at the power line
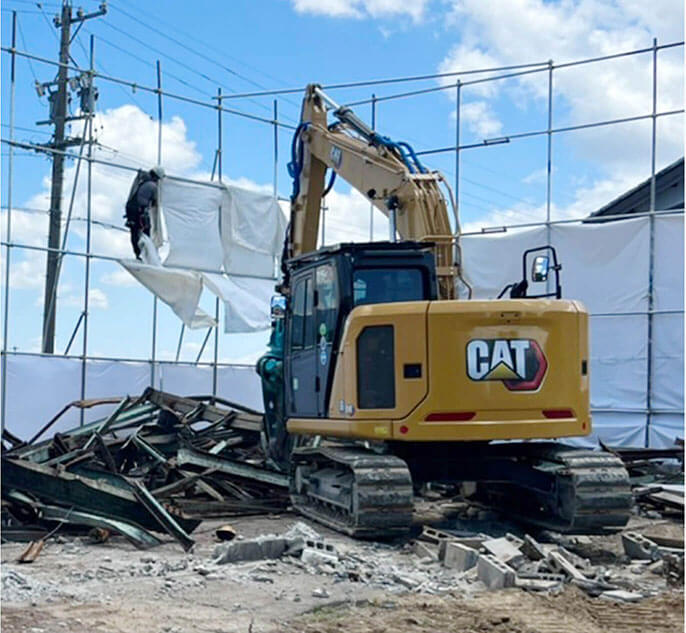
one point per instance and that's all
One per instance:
(185, 46)
(23, 43)
(136, 86)
(27, 129)
(100, 38)
(166, 56)
(210, 48)
(183, 64)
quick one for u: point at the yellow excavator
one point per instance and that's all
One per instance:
(379, 380)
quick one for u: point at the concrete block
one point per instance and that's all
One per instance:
(619, 595)
(257, 549)
(532, 548)
(494, 573)
(514, 539)
(504, 550)
(639, 547)
(459, 557)
(425, 550)
(537, 584)
(559, 564)
(431, 535)
(575, 559)
(474, 542)
(318, 552)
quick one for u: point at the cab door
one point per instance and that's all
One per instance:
(327, 301)
(301, 352)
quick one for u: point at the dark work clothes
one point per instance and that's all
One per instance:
(142, 196)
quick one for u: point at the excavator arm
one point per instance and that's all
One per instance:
(386, 172)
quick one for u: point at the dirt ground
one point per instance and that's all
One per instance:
(76, 586)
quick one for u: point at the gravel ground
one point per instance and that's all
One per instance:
(96, 588)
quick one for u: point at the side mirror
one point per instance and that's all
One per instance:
(539, 270)
(278, 307)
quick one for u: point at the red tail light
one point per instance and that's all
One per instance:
(450, 416)
(556, 414)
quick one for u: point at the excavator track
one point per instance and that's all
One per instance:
(586, 492)
(357, 492)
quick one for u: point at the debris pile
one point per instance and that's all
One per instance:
(511, 561)
(158, 463)
(657, 478)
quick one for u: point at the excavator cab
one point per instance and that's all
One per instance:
(307, 326)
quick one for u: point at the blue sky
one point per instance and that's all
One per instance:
(244, 46)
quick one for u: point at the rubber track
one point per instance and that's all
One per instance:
(594, 491)
(381, 500)
(591, 492)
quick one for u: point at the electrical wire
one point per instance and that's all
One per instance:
(23, 43)
(207, 46)
(166, 56)
(100, 38)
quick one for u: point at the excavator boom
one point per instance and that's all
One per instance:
(388, 173)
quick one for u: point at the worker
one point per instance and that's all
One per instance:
(142, 196)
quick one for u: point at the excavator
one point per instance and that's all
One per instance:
(378, 379)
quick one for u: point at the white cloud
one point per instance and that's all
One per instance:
(586, 200)
(537, 176)
(362, 8)
(506, 32)
(347, 218)
(481, 119)
(135, 133)
(501, 32)
(97, 300)
(120, 278)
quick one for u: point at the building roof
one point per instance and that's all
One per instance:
(669, 194)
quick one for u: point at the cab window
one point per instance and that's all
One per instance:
(298, 321)
(386, 285)
(327, 302)
(302, 325)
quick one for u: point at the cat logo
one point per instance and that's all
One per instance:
(518, 363)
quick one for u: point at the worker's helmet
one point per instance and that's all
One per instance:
(157, 171)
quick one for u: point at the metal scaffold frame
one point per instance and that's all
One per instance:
(457, 81)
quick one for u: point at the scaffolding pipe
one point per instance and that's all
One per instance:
(8, 248)
(371, 204)
(458, 99)
(89, 213)
(216, 301)
(153, 352)
(651, 260)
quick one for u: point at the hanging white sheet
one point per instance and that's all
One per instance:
(28, 408)
(179, 289)
(191, 215)
(493, 260)
(246, 301)
(607, 266)
(210, 227)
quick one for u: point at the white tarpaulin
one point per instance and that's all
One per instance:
(244, 301)
(28, 408)
(191, 215)
(607, 266)
(209, 228)
(179, 289)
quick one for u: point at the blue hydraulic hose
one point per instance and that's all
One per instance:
(416, 160)
(295, 166)
(332, 179)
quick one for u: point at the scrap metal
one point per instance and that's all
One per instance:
(156, 463)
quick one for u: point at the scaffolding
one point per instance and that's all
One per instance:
(456, 82)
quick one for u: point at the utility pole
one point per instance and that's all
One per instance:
(59, 98)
